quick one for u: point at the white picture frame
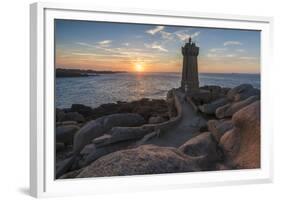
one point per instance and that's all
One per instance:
(42, 178)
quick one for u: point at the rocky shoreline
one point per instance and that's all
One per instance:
(114, 139)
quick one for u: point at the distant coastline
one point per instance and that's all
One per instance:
(65, 72)
(61, 72)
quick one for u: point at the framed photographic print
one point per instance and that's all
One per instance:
(133, 100)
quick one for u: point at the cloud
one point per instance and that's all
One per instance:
(155, 30)
(85, 44)
(184, 35)
(215, 55)
(230, 55)
(126, 44)
(248, 58)
(216, 50)
(240, 50)
(100, 44)
(156, 46)
(218, 55)
(195, 34)
(104, 55)
(166, 35)
(227, 43)
(86, 54)
(125, 53)
(104, 42)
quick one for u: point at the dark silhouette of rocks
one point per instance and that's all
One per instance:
(59, 146)
(210, 108)
(242, 92)
(86, 111)
(98, 127)
(72, 116)
(60, 72)
(65, 134)
(145, 107)
(229, 109)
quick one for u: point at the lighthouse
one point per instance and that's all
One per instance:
(189, 81)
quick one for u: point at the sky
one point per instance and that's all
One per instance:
(153, 48)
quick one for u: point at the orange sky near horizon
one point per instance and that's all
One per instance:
(205, 65)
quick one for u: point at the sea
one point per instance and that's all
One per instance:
(110, 88)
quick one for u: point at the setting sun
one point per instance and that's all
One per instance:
(139, 67)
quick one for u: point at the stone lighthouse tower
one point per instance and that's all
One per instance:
(189, 81)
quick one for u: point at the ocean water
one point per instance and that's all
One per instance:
(109, 88)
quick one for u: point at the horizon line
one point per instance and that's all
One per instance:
(124, 71)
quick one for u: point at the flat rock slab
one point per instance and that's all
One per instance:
(187, 128)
